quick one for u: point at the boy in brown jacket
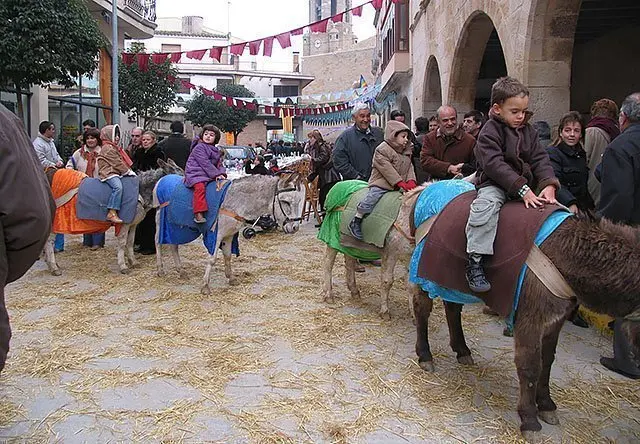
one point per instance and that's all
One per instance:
(511, 163)
(392, 168)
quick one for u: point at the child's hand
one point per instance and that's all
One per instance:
(532, 201)
(549, 194)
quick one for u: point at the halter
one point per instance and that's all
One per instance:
(276, 196)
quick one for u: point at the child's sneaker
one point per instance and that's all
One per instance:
(476, 278)
(113, 218)
(355, 228)
(199, 218)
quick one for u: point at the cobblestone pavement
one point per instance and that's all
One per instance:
(101, 357)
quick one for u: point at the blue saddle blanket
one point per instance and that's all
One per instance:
(430, 202)
(177, 226)
(93, 198)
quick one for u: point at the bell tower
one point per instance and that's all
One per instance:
(339, 36)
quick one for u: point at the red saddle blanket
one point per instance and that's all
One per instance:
(444, 256)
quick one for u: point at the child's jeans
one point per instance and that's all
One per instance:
(200, 198)
(371, 199)
(58, 244)
(482, 225)
(115, 200)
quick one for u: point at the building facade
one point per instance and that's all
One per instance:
(339, 36)
(569, 53)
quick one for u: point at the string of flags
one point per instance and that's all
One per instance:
(215, 52)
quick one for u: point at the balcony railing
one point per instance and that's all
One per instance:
(144, 8)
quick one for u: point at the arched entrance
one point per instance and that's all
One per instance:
(478, 61)
(432, 88)
(405, 107)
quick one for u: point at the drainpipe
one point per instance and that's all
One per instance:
(115, 113)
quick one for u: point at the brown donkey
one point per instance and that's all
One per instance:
(600, 261)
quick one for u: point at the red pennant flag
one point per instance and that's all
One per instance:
(240, 104)
(268, 109)
(216, 52)
(127, 58)
(171, 79)
(254, 47)
(320, 26)
(206, 92)
(276, 111)
(251, 106)
(187, 84)
(357, 11)
(268, 46)
(175, 57)
(284, 39)
(316, 111)
(197, 54)
(143, 61)
(298, 31)
(377, 4)
(238, 48)
(337, 18)
(229, 101)
(218, 96)
(159, 58)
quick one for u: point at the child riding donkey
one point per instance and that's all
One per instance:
(511, 164)
(392, 169)
(113, 163)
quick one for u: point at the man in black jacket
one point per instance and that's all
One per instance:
(25, 223)
(176, 147)
(620, 202)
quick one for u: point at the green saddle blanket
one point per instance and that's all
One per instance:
(376, 225)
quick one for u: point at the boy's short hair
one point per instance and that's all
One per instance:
(216, 131)
(506, 88)
(422, 124)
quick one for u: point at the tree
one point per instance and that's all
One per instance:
(204, 109)
(149, 93)
(45, 41)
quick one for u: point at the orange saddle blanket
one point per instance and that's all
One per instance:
(66, 221)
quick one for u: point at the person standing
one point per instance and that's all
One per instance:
(176, 147)
(49, 158)
(620, 202)
(145, 159)
(422, 128)
(85, 160)
(472, 123)
(448, 151)
(322, 165)
(601, 130)
(25, 224)
(136, 141)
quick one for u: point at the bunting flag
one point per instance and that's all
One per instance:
(284, 39)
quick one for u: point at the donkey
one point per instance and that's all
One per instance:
(125, 237)
(399, 244)
(247, 199)
(599, 260)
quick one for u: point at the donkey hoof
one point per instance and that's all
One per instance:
(549, 416)
(427, 366)
(125, 270)
(533, 437)
(205, 290)
(466, 360)
(385, 315)
(57, 272)
(355, 295)
(329, 298)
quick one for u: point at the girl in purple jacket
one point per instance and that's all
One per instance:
(203, 166)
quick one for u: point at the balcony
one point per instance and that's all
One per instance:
(144, 8)
(136, 18)
(395, 65)
(397, 70)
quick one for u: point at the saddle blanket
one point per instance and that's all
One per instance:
(176, 213)
(431, 257)
(66, 220)
(329, 232)
(93, 198)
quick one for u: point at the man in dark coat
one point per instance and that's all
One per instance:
(448, 151)
(176, 147)
(620, 202)
(25, 224)
(353, 153)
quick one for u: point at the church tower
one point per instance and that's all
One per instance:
(339, 36)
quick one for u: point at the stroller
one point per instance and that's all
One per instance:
(264, 222)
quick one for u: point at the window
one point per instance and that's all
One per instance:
(334, 7)
(285, 90)
(318, 11)
(181, 88)
(168, 47)
(395, 31)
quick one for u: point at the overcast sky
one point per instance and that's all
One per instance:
(251, 19)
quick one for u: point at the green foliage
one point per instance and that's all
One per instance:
(149, 93)
(47, 40)
(204, 109)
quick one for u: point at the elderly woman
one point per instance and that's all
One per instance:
(145, 159)
(600, 132)
(85, 160)
(321, 165)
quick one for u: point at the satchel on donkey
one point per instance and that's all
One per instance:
(392, 169)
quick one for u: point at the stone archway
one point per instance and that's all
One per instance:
(478, 61)
(432, 88)
(405, 107)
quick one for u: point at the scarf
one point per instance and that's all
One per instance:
(90, 157)
(605, 124)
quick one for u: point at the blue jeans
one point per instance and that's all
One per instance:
(115, 200)
(97, 239)
(58, 244)
(371, 199)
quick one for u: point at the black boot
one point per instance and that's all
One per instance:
(476, 278)
(355, 228)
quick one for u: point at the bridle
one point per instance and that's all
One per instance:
(276, 197)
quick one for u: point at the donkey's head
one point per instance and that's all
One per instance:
(170, 167)
(289, 201)
(149, 179)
